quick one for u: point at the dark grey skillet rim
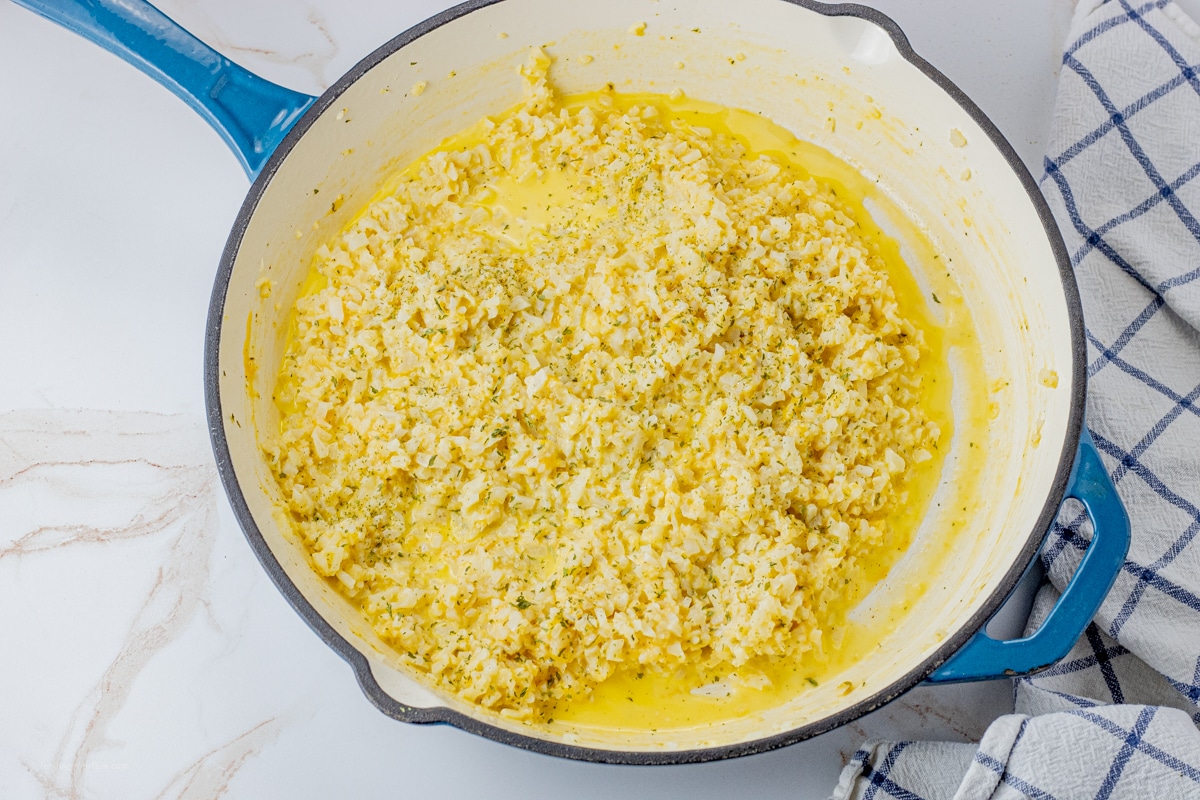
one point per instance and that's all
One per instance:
(358, 662)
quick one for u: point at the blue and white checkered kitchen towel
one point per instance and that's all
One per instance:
(1117, 718)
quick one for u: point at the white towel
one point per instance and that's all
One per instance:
(1117, 717)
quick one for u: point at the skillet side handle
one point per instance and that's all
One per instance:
(984, 658)
(251, 114)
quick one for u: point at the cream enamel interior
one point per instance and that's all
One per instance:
(801, 69)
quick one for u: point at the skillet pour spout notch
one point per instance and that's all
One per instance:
(250, 113)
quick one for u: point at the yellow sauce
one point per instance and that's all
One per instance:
(639, 698)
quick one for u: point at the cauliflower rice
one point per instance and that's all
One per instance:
(661, 423)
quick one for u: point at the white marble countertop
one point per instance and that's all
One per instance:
(146, 653)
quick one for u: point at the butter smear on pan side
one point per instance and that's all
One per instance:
(607, 405)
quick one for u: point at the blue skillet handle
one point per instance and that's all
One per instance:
(983, 657)
(251, 114)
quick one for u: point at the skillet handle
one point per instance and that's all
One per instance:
(251, 114)
(984, 658)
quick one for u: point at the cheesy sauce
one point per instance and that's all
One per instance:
(520, 212)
